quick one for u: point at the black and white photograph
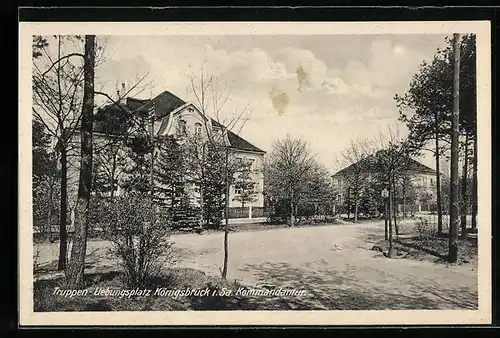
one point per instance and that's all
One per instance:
(250, 173)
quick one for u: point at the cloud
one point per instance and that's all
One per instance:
(288, 89)
(244, 67)
(389, 66)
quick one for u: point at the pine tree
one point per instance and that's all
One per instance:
(245, 184)
(168, 172)
(184, 213)
(171, 185)
(138, 171)
(370, 201)
(213, 189)
(427, 106)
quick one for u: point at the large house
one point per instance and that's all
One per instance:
(421, 178)
(173, 116)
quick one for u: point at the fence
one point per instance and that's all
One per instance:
(238, 212)
(244, 212)
(416, 208)
(259, 212)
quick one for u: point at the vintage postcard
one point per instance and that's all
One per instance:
(254, 173)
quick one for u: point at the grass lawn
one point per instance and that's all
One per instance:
(153, 300)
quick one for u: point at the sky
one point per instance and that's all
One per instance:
(325, 89)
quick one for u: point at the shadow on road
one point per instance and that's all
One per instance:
(343, 291)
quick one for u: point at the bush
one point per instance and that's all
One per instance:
(139, 231)
(425, 230)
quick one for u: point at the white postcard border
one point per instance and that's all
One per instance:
(187, 318)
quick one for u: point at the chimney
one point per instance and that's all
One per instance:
(118, 96)
(123, 91)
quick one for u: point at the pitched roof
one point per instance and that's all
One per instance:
(111, 119)
(413, 165)
(418, 167)
(242, 144)
(237, 142)
(164, 104)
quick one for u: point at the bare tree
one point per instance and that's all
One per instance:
(392, 157)
(286, 168)
(197, 164)
(109, 163)
(58, 76)
(212, 98)
(57, 84)
(117, 124)
(77, 263)
(357, 171)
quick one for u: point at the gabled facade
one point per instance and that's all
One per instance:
(421, 177)
(175, 117)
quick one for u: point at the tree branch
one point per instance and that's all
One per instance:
(59, 60)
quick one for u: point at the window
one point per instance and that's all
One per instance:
(217, 134)
(181, 128)
(339, 198)
(432, 181)
(238, 190)
(190, 110)
(251, 163)
(197, 129)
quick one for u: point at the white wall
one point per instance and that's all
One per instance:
(191, 117)
(257, 175)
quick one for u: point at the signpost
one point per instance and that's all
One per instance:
(385, 195)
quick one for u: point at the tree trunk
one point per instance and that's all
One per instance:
(395, 206)
(403, 187)
(389, 253)
(292, 208)
(151, 164)
(202, 208)
(356, 210)
(226, 227)
(63, 209)
(112, 180)
(348, 203)
(386, 232)
(439, 205)
(49, 212)
(474, 185)
(463, 211)
(78, 251)
(63, 241)
(454, 200)
(204, 221)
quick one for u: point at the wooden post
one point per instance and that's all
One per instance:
(438, 181)
(389, 254)
(386, 230)
(226, 208)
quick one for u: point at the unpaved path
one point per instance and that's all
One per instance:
(334, 263)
